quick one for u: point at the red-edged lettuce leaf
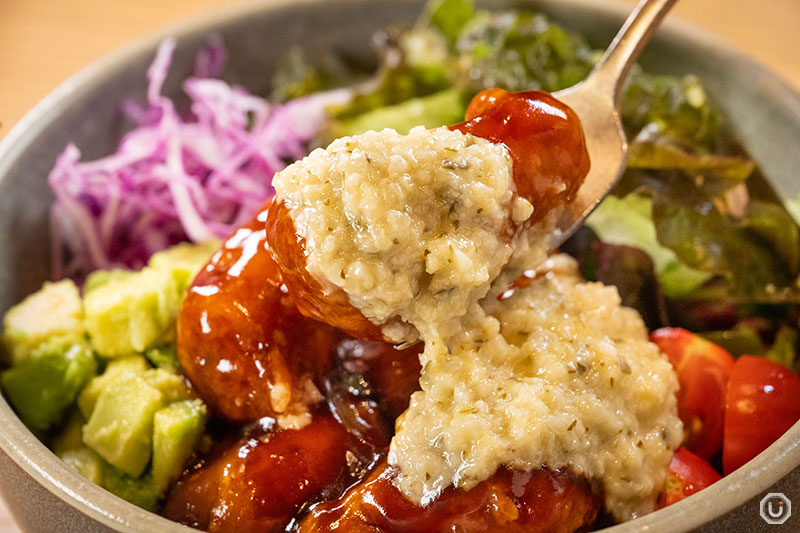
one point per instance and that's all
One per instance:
(755, 262)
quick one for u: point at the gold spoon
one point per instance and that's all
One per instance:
(596, 101)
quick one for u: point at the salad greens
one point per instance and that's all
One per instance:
(629, 221)
(784, 349)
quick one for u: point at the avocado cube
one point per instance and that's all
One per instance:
(163, 356)
(98, 278)
(121, 426)
(183, 261)
(140, 491)
(130, 315)
(86, 462)
(172, 385)
(43, 387)
(87, 399)
(177, 429)
(54, 310)
(70, 436)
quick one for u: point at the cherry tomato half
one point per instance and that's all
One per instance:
(688, 473)
(761, 403)
(703, 370)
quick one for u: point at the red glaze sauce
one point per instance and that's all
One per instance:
(241, 341)
(393, 373)
(544, 137)
(258, 484)
(509, 501)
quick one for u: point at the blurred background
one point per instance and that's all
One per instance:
(43, 42)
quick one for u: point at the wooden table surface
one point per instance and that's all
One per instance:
(43, 42)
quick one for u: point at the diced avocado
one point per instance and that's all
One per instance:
(171, 384)
(98, 278)
(70, 437)
(116, 367)
(130, 315)
(163, 356)
(183, 261)
(86, 462)
(177, 429)
(42, 387)
(140, 491)
(629, 221)
(54, 310)
(121, 426)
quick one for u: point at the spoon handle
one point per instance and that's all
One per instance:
(610, 72)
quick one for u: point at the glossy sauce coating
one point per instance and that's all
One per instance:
(548, 149)
(241, 341)
(544, 137)
(532, 502)
(354, 404)
(393, 373)
(261, 481)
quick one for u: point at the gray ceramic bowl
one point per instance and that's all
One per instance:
(44, 495)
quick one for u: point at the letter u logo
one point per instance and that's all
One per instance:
(772, 513)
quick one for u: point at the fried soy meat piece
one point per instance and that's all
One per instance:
(510, 501)
(392, 373)
(550, 162)
(313, 301)
(544, 137)
(242, 343)
(264, 480)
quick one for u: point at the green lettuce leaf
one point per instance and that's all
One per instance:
(652, 149)
(777, 229)
(439, 109)
(522, 51)
(449, 16)
(740, 340)
(680, 109)
(301, 72)
(628, 221)
(707, 240)
(784, 349)
(454, 47)
(393, 85)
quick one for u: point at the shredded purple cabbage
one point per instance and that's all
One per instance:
(176, 177)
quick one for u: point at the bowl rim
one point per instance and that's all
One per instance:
(37, 461)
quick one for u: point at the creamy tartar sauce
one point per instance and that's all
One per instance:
(412, 226)
(559, 374)
(427, 228)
